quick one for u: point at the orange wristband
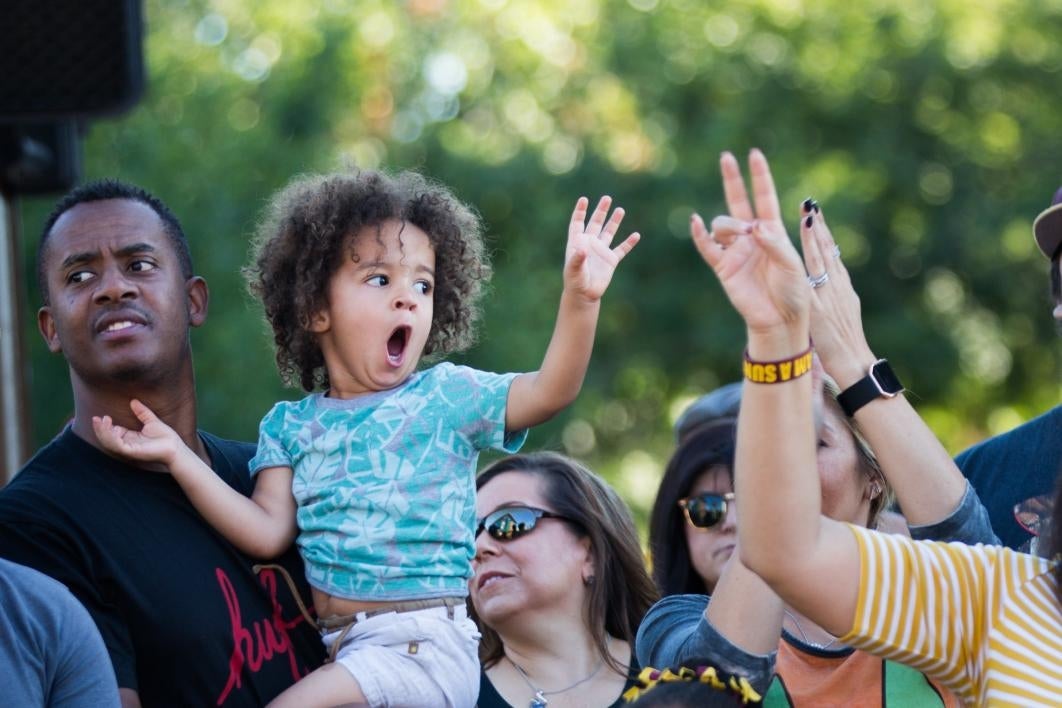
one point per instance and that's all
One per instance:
(781, 371)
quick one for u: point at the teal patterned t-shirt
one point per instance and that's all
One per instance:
(385, 482)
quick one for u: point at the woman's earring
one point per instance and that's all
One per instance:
(588, 580)
(875, 489)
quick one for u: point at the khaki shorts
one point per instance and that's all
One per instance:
(421, 659)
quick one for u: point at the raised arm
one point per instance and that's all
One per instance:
(810, 561)
(927, 482)
(743, 608)
(679, 631)
(262, 526)
(589, 263)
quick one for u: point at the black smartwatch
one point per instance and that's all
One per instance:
(880, 381)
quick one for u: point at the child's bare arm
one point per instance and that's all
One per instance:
(262, 526)
(589, 263)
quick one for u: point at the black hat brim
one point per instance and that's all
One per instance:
(1048, 229)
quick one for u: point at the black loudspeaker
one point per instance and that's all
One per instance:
(39, 158)
(69, 58)
(62, 62)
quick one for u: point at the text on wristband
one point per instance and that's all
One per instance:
(777, 371)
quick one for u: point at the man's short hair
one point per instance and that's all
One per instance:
(104, 189)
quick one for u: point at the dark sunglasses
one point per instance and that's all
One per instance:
(705, 510)
(512, 522)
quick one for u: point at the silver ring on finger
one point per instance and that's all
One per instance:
(818, 281)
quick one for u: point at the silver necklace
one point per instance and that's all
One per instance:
(540, 700)
(804, 636)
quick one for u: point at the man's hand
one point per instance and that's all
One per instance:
(155, 442)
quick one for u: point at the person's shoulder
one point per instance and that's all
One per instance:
(297, 407)
(228, 457)
(287, 415)
(234, 448)
(62, 447)
(448, 369)
(26, 577)
(48, 474)
(437, 376)
(1045, 427)
(439, 371)
(43, 595)
(676, 609)
(448, 375)
(686, 600)
(1023, 567)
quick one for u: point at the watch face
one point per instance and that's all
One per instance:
(885, 378)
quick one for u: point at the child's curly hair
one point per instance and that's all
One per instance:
(311, 224)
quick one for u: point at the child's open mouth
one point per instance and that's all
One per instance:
(396, 345)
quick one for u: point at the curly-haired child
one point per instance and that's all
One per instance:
(361, 274)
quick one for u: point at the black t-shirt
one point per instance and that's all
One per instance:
(1013, 467)
(184, 617)
(490, 698)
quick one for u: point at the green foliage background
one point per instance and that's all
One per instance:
(929, 132)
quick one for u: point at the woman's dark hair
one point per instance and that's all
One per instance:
(709, 446)
(621, 592)
(310, 226)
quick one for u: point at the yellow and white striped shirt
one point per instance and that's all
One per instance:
(984, 620)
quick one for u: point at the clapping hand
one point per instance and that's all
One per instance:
(589, 259)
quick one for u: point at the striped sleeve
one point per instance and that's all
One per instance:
(933, 606)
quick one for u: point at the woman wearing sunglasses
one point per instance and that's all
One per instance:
(746, 628)
(692, 528)
(559, 585)
(693, 534)
(983, 620)
(698, 480)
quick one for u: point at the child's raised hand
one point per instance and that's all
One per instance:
(589, 259)
(154, 442)
(750, 252)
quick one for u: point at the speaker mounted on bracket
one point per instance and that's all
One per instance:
(63, 63)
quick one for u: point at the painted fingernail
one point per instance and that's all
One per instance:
(815, 206)
(807, 222)
(808, 204)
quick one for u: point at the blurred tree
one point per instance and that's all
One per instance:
(928, 131)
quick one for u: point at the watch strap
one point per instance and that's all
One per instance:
(866, 390)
